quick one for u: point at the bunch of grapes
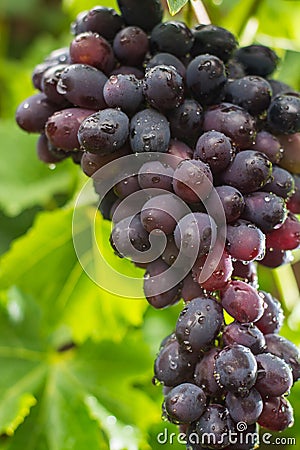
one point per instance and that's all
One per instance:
(217, 144)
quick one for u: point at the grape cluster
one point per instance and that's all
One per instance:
(227, 137)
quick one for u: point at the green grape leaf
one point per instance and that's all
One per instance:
(176, 5)
(24, 180)
(43, 263)
(78, 397)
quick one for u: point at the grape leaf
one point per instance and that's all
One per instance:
(176, 5)
(43, 264)
(53, 399)
(24, 181)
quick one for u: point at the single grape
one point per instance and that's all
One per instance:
(45, 154)
(232, 201)
(163, 88)
(129, 235)
(206, 78)
(155, 174)
(245, 242)
(124, 92)
(257, 59)
(192, 180)
(106, 203)
(277, 414)
(267, 211)
(86, 95)
(170, 252)
(272, 319)
(167, 59)
(204, 374)
(284, 114)
(274, 376)
(185, 403)
(242, 301)
(245, 272)
(127, 186)
(32, 113)
(247, 408)
(236, 369)
(268, 144)
(215, 149)
(131, 45)
(162, 213)
(199, 323)
(286, 350)
(145, 14)
(275, 258)
(287, 237)
(249, 171)
(104, 132)
(219, 277)
(100, 19)
(246, 334)
(252, 93)
(186, 121)
(291, 155)
(149, 132)
(62, 127)
(214, 426)
(233, 121)
(213, 40)
(91, 162)
(49, 83)
(171, 37)
(94, 50)
(293, 203)
(190, 289)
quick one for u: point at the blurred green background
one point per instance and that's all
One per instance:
(76, 362)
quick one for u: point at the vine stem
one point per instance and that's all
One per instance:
(200, 12)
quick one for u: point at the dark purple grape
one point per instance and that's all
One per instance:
(128, 70)
(219, 277)
(152, 284)
(248, 172)
(291, 155)
(155, 174)
(92, 49)
(86, 95)
(127, 186)
(267, 211)
(215, 149)
(199, 323)
(246, 334)
(242, 301)
(286, 350)
(45, 154)
(129, 235)
(167, 59)
(204, 373)
(293, 204)
(273, 317)
(38, 73)
(180, 150)
(91, 162)
(171, 37)
(32, 113)
(284, 114)
(245, 242)
(62, 128)
(194, 232)
(245, 272)
(100, 19)
(123, 91)
(234, 69)
(275, 258)
(163, 88)
(274, 376)
(206, 78)
(106, 203)
(232, 201)
(186, 121)
(257, 59)
(190, 289)
(278, 87)
(145, 14)
(268, 144)
(214, 40)
(49, 83)
(185, 403)
(173, 365)
(236, 369)
(277, 414)
(214, 427)
(247, 408)
(162, 212)
(192, 180)
(282, 183)
(287, 237)
(233, 121)
(131, 45)
(149, 132)
(104, 132)
(170, 252)
(253, 93)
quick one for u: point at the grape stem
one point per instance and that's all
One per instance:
(200, 12)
